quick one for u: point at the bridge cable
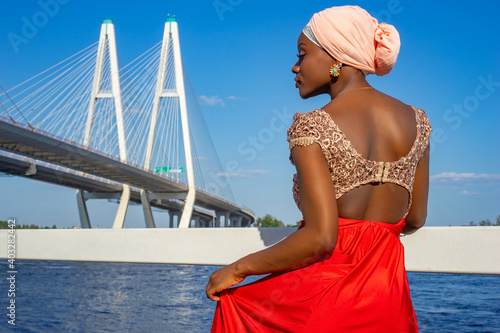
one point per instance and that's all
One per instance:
(8, 113)
(15, 105)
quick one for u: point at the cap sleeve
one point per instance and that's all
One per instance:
(305, 130)
(425, 129)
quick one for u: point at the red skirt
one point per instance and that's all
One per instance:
(361, 287)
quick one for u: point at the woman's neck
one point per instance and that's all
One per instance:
(349, 79)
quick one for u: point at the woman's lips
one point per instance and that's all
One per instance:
(297, 84)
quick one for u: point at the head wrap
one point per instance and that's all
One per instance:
(355, 38)
(309, 34)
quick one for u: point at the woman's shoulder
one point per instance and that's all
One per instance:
(298, 116)
(419, 115)
(308, 123)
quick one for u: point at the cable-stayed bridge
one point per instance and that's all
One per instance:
(134, 133)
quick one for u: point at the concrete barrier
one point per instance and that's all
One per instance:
(472, 250)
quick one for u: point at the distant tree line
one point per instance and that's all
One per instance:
(270, 221)
(5, 225)
(486, 222)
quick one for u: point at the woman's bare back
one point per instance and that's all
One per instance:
(383, 129)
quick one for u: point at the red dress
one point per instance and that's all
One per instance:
(361, 287)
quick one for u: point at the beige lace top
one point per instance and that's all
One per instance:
(348, 168)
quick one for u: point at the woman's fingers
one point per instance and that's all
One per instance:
(213, 286)
(211, 291)
(213, 296)
(220, 280)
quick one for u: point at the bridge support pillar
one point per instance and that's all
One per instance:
(218, 218)
(122, 208)
(82, 197)
(246, 223)
(82, 210)
(147, 197)
(187, 212)
(146, 207)
(196, 221)
(236, 220)
(172, 214)
(206, 223)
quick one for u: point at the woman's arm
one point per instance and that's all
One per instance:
(418, 210)
(315, 240)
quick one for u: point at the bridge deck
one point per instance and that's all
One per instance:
(17, 166)
(22, 140)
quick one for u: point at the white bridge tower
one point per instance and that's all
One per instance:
(170, 41)
(106, 42)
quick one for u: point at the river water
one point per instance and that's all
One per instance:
(59, 296)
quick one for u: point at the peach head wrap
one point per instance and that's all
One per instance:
(355, 38)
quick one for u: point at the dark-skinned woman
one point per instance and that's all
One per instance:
(362, 179)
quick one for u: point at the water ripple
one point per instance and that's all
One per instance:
(56, 296)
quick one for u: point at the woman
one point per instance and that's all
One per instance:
(362, 178)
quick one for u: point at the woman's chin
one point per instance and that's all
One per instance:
(307, 94)
(304, 94)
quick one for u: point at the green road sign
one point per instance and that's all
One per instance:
(169, 169)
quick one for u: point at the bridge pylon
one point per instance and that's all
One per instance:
(107, 43)
(170, 41)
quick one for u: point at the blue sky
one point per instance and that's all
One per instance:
(239, 54)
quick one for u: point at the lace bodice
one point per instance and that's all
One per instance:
(347, 167)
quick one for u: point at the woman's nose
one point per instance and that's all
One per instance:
(296, 68)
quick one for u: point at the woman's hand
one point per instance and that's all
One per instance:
(222, 279)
